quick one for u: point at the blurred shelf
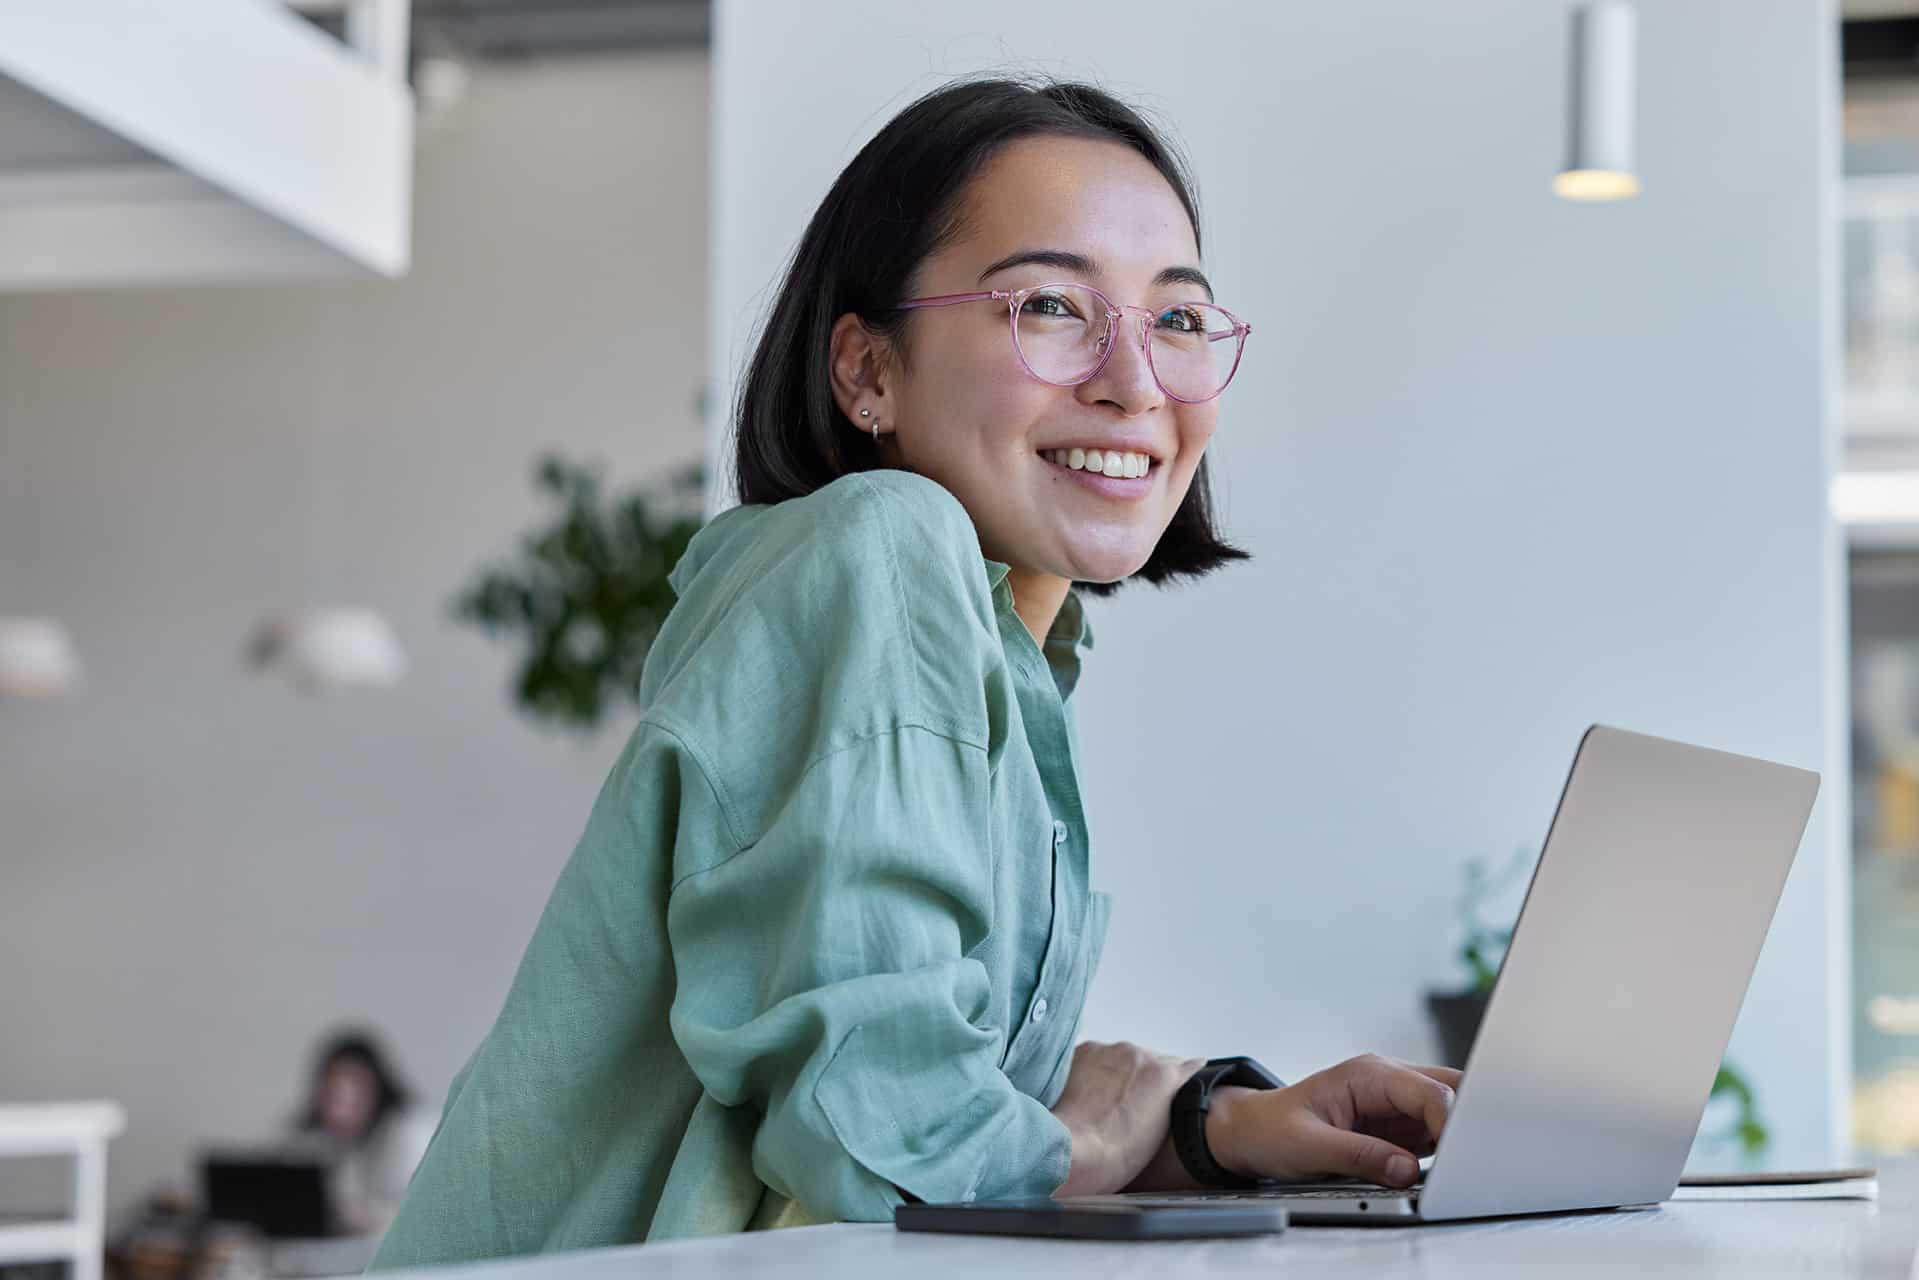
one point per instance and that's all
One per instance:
(39, 1241)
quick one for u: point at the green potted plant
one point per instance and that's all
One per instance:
(587, 591)
(1457, 1013)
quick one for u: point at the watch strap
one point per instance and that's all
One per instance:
(1191, 1105)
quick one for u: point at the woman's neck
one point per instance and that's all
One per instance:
(1037, 598)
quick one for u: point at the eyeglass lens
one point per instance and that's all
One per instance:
(1062, 332)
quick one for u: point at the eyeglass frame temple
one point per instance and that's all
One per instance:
(1114, 310)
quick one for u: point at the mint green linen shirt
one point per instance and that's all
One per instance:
(829, 928)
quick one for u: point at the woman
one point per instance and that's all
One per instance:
(360, 1120)
(826, 937)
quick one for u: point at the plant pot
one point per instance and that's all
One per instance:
(1456, 1015)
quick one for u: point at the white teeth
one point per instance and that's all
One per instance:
(1119, 464)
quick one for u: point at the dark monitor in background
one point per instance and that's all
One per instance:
(284, 1198)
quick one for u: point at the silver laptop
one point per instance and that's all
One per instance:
(1632, 954)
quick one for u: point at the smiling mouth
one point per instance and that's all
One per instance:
(1115, 464)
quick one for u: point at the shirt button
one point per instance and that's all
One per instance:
(1059, 832)
(1039, 1009)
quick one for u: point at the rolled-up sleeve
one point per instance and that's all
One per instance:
(823, 980)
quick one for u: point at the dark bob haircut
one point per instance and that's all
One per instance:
(362, 1047)
(898, 202)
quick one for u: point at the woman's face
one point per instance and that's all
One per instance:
(349, 1093)
(968, 415)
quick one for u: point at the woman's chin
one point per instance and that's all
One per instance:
(1108, 567)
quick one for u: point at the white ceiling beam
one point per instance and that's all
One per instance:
(310, 139)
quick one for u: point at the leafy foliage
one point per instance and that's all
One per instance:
(586, 593)
(1485, 944)
(1747, 1127)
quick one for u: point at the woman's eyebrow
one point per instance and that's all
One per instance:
(1066, 260)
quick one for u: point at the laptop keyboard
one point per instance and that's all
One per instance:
(1354, 1192)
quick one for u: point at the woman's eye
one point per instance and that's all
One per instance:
(1048, 304)
(1184, 319)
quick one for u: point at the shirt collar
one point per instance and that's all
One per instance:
(1071, 632)
(1070, 635)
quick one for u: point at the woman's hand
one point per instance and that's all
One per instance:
(1117, 1105)
(1368, 1117)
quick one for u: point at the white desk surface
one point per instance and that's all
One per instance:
(1746, 1239)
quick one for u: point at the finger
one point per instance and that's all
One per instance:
(1333, 1150)
(1407, 1131)
(1448, 1076)
(1410, 1134)
(1383, 1088)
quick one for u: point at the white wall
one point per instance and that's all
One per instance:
(198, 871)
(1509, 466)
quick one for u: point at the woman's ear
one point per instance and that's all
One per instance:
(858, 366)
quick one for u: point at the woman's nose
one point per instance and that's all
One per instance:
(1127, 379)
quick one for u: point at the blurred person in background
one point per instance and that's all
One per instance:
(356, 1120)
(359, 1120)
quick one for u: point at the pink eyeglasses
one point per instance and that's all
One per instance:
(1067, 338)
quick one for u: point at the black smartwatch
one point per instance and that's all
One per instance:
(1195, 1099)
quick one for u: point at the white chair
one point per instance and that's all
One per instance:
(81, 1130)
